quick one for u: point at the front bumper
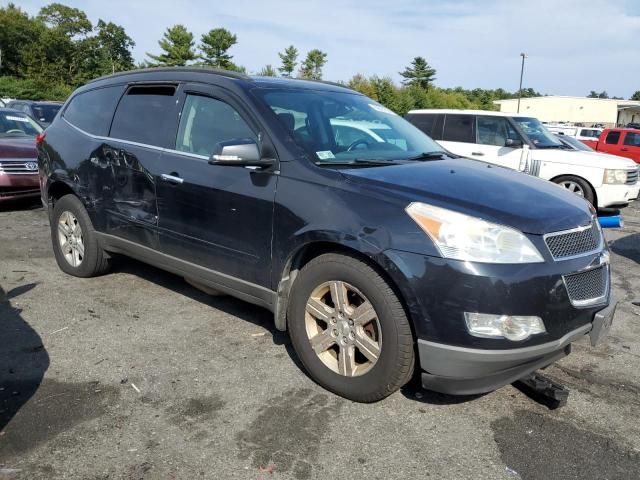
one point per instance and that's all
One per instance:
(13, 187)
(616, 195)
(438, 291)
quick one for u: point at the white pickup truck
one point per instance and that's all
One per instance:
(523, 143)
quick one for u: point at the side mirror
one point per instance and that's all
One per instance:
(511, 143)
(242, 152)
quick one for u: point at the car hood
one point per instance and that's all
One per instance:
(586, 159)
(499, 195)
(18, 147)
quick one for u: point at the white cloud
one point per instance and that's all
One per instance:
(573, 46)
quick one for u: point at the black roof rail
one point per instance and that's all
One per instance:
(193, 69)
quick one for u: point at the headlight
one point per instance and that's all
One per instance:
(614, 177)
(462, 237)
(514, 328)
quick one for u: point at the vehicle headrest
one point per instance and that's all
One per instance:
(287, 120)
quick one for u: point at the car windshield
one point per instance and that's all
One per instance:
(339, 127)
(574, 143)
(537, 132)
(15, 124)
(45, 113)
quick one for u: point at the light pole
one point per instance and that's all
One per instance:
(523, 55)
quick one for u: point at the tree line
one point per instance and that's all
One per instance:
(48, 55)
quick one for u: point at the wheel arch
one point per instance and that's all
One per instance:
(593, 190)
(307, 252)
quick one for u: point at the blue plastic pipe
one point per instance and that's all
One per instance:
(614, 221)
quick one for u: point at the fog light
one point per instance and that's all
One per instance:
(511, 327)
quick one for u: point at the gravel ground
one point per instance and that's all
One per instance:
(137, 375)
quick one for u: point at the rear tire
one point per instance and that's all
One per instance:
(75, 244)
(363, 347)
(578, 186)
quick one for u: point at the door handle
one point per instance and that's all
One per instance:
(624, 149)
(477, 154)
(172, 179)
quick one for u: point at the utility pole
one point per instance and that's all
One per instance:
(523, 55)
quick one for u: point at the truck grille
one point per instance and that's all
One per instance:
(19, 167)
(632, 177)
(588, 288)
(574, 242)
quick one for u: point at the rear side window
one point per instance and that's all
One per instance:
(458, 128)
(632, 139)
(143, 114)
(205, 122)
(92, 111)
(612, 138)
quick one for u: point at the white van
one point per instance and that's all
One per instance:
(523, 143)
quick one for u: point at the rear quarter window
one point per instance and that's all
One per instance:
(612, 138)
(92, 111)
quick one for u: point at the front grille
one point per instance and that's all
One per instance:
(574, 242)
(19, 167)
(587, 288)
(632, 177)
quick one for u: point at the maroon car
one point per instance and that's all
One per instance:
(18, 156)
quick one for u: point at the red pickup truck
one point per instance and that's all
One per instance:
(624, 142)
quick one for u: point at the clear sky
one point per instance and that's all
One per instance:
(573, 46)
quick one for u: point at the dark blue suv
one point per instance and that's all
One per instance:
(378, 251)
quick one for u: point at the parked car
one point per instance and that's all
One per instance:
(633, 125)
(573, 143)
(375, 256)
(524, 144)
(620, 141)
(42, 112)
(18, 156)
(587, 135)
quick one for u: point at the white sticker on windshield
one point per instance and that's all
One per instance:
(381, 109)
(324, 154)
(17, 119)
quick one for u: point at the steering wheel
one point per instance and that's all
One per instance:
(360, 141)
(14, 130)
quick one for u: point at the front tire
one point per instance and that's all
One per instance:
(578, 186)
(349, 329)
(75, 244)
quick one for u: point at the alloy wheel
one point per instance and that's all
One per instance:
(573, 187)
(343, 328)
(70, 239)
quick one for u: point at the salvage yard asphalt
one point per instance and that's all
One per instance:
(138, 375)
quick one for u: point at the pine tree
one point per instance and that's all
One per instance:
(177, 43)
(419, 73)
(215, 45)
(289, 60)
(312, 66)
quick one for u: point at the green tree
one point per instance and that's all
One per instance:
(177, 43)
(312, 66)
(17, 31)
(267, 71)
(214, 45)
(69, 21)
(419, 73)
(115, 46)
(289, 60)
(594, 94)
(635, 96)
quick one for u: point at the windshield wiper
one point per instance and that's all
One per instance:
(360, 162)
(436, 155)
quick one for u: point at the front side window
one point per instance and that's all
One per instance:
(343, 127)
(612, 138)
(495, 131)
(92, 111)
(632, 139)
(17, 124)
(537, 132)
(205, 122)
(458, 128)
(143, 114)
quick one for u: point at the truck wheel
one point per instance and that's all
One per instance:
(349, 329)
(75, 245)
(578, 186)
